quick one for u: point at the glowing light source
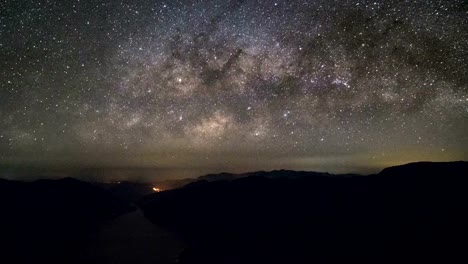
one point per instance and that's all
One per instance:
(156, 189)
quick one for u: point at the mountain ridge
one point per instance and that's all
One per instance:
(411, 213)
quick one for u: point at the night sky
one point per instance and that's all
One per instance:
(183, 88)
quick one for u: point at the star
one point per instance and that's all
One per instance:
(235, 81)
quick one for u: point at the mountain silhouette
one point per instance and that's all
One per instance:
(413, 213)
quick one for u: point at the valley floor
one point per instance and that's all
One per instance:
(131, 238)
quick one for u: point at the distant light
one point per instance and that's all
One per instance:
(156, 189)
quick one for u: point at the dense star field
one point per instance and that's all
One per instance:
(188, 87)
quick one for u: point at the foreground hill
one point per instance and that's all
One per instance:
(42, 220)
(413, 213)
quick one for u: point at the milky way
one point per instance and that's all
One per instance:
(187, 87)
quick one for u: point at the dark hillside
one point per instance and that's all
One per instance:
(43, 221)
(413, 213)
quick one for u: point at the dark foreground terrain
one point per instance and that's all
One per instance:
(415, 213)
(130, 238)
(71, 221)
(46, 221)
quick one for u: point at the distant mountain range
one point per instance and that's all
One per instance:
(276, 174)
